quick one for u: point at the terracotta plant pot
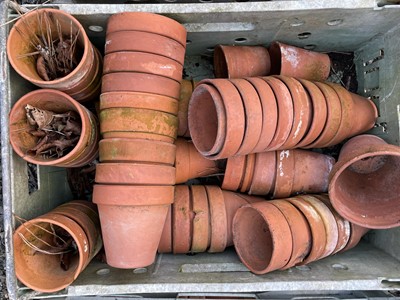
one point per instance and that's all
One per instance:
(234, 173)
(264, 173)
(190, 163)
(132, 220)
(135, 173)
(363, 184)
(147, 22)
(136, 150)
(165, 245)
(296, 62)
(257, 236)
(241, 61)
(285, 169)
(124, 61)
(21, 42)
(356, 233)
(248, 174)
(22, 141)
(140, 82)
(40, 270)
(364, 115)
(138, 120)
(149, 43)
(182, 217)
(187, 87)
(138, 100)
(202, 230)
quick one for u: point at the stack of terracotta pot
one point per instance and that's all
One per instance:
(280, 234)
(200, 219)
(229, 117)
(138, 120)
(51, 251)
(187, 87)
(278, 173)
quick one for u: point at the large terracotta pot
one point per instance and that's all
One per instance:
(149, 43)
(257, 235)
(363, 184)
(218, 220)
(190, 163)
(21, 140)
(241, 61)
(147, 22)
(132, 219)
(202, 226)
(165, 245)
(296, 62)
(41, 270)
(20, 43)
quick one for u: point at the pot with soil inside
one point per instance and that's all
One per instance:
(50, 48)
(48, 127)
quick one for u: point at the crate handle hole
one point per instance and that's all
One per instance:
(96, 28)
(240, 40)
(304, 35)
(340, 267)
(335, 22)
(102, 272)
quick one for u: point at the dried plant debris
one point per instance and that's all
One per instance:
(57, 53)
(58, 133)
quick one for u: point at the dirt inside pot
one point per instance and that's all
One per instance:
(58, 133)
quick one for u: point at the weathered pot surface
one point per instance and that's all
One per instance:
(201, 233)
(218, 239)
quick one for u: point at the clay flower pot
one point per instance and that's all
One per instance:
(234, 173)
(141, 62)
(248, 174)
(241, 61)
(139, 100)
(257, 236)
(41, 270)
(264, 173)
(132, 219)
(147, 22)
(135, 173)
(136, 150)
(182, 217)
(201, 232)
(22, 141)
(269, 113)
(296, 62)
(140, 82)
(19, 44)
(285, 163)
(187, 87)
(165, 245)
(364, 114)
(363, 184)
(120, 41)
(137, 120)
(190, 163)
(356, 233)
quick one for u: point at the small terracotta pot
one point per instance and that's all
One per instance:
(147, 22)
(331, 229)
(249, 171)
(311, 171)
(285, 113)
(363, 184)
(365, 114)
(235, 117)
(334, 117)
(317, 228)
(302, 111)
(269, 113)
(135, 173)
(132, 219)
(149, 43)
(207, 120)
(201, 233)
(319, 113)
(142, 62)
(22, 141)
(356, 233)
(296, 62)
(264, 173)
(253, 115)
(187, 87)
(18, 45)
(190, 164)
(300, 231)
(138, 100)
(257, 236)
(43, 272)
(182, 217)
(136, 150)
(140, 82)
(241, 61)
(218, 219)
(285, 170)
(165, 245)
(234, 173)
(138, 120)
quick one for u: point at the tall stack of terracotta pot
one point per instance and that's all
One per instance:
(138, 121)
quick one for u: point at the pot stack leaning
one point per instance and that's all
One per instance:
(138, 122)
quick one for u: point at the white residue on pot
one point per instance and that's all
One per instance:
(291, 56)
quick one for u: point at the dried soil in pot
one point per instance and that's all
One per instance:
(257, 236)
